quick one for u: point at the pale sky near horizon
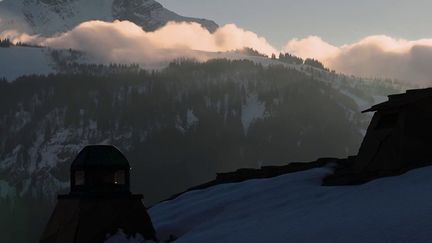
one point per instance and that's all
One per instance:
(336, 21)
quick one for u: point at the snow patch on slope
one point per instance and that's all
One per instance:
(295, 208)
(361, 103)
(191, 118)
(252, 110)
(11, 158)
(6, 190)
(18, 61)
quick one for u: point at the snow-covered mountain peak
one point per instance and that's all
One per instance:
(151, 14)
(48, 17)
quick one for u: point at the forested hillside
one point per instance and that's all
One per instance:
(178, 126)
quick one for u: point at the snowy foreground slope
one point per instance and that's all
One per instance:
(295, 208)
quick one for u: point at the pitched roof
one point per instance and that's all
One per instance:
(398, 100)
(105, 156)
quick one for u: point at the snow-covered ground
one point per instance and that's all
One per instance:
(295, 208)
(18, 61)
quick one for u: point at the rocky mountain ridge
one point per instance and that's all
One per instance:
(49, 17)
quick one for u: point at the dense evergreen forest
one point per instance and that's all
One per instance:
(178, 127)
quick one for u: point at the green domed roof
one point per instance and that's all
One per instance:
(100, 156)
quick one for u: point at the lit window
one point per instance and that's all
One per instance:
(79, 178)
(120, 177)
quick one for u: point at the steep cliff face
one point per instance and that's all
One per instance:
(151, 15)
(48, 17)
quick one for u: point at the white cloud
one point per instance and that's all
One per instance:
(124, 42)
(312, 46)
(374, 56)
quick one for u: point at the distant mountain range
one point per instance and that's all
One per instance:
(47, 17)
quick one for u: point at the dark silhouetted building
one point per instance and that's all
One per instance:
(100, 202)
(400, 133)
(398, 139)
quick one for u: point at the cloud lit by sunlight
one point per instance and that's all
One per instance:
(311, 47)
(124, 42)
(374, 56)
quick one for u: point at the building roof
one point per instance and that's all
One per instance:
(100, 156)
(398, 100)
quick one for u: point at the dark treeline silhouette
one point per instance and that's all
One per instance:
(252, 52)
(68, 61)
(315, 63)
(5, 43)
(290, 59)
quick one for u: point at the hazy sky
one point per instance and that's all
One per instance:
(336, 21)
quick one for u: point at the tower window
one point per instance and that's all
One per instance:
(79, 178)
(120, 177)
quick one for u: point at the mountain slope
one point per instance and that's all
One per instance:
(212, 117)
(295, 208)
(48, 17)
(262, 115)
(18, 61)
